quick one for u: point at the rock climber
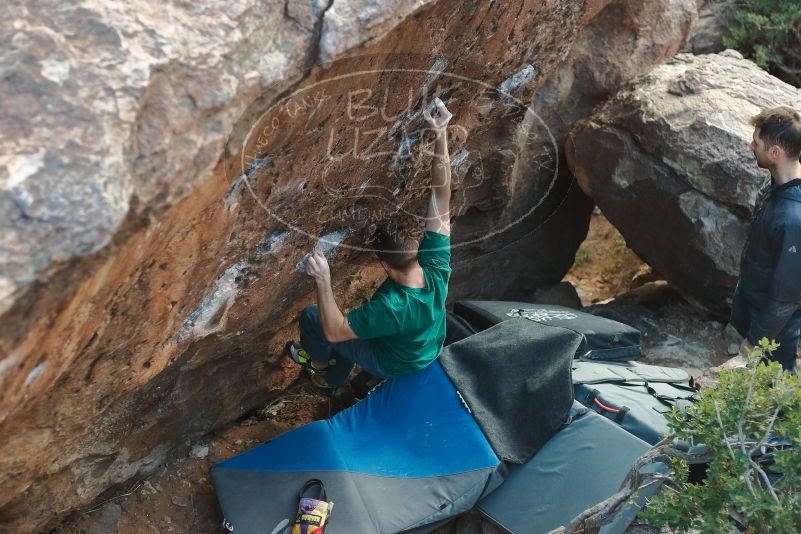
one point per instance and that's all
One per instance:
(402, 328)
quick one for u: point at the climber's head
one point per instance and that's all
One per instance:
(777, 137)
(396, 251)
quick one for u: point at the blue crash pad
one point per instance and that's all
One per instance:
(407, 456)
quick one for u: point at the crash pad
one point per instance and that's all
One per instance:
(603, 338)
(407, 456)
(580, 466)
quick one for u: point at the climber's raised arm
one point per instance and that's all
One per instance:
(438, 218)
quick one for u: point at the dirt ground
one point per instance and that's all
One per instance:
(180, 497)
(605, 267)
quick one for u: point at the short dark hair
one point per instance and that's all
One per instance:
(780, 126)
(395, 248)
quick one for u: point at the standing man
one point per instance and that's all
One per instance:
(767, 300)
(402, 328)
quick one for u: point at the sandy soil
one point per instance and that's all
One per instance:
(605, 267)
(180, 497)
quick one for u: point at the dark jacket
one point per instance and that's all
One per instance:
(770, 267)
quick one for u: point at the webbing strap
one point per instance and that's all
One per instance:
(311, 484)
(667, 400)
(593, 372)
(573, 415)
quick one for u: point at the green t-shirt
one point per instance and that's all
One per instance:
(408, 323)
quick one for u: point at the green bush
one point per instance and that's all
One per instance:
(734, 420)
(766, 31)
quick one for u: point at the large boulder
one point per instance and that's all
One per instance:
(619, 42)
(668, 162)
(166, 168)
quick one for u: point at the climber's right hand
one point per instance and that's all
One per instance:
(317, 267)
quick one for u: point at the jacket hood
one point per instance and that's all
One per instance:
(790, 191)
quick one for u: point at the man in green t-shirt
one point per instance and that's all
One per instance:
(402, 328)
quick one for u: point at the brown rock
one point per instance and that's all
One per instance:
(620, 41)
(650, 294)
(709, 379)
(170, 165)
(643, 275)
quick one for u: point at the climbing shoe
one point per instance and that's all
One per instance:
(318, 380)
(302, 358)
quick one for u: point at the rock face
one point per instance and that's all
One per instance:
(707, 35)
(668, 162)
(620, 42)
(166, 168)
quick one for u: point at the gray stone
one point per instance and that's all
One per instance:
(348, 24)
(180, 500)
(714, 18)
(674, 334)
(732, 336)
(668, 162)
(199, 451)
(561, 294)
(130, 127)
(107, 519)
